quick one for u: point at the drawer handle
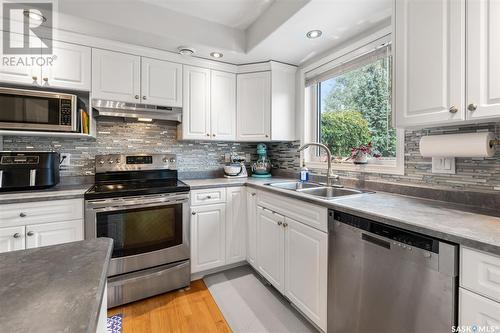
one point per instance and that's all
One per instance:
(17, 235)
(22, 215)
(209, 197)
(30, 233)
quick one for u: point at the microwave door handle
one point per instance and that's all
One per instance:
(32, 177)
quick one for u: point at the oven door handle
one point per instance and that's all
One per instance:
(137, 205)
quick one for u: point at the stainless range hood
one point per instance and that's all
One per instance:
(136, 110)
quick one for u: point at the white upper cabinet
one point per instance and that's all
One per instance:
(483, 59)
(223, 106)
(196, 105)
(254, 106)
(18, 73)
(70, 69)
(429, 62)
(161, 82)
(116, 76)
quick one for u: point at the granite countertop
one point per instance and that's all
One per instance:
(456, 223)
(58, 192)
(55, 288)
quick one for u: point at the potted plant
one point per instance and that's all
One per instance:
(361, 154)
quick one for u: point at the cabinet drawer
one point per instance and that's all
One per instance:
(480, 272)
(476, 310)
(312, 215)
(208, 196)
(41, 212)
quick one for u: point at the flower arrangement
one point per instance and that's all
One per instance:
(360, 154)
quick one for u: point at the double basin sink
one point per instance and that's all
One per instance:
(317, 190)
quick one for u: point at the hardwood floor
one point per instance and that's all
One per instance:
(181, 311)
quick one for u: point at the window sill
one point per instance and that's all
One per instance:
(392, 168)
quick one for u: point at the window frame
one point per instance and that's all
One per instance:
(311, 101)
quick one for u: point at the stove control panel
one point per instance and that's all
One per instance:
(134, 162)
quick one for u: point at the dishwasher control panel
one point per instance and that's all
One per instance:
(391, 233)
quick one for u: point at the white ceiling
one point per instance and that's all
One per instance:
(245, 31)
(237, 14)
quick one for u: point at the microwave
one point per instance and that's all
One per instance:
(33, 110)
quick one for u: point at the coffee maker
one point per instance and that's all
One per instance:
(28, 170)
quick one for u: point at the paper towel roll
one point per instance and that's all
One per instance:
(458, 145)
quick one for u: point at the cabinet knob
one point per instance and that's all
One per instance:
(213, 135)
(30, 233)
(267, 135)
(144, 97)
(253, 194)
(209, 197)
(46, 79)
(280, 223)
(22, 215)
(208, 134)
(472, 107)
(193, 213)
(35, 79)
(453, 109)
(285, 225)
(136, 96)
(17, 235)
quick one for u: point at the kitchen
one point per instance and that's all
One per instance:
(250, 166)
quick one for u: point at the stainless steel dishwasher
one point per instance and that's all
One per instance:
(382, 279)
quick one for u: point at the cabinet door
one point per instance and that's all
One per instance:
(270, 247)
(483, 59)
(161, 82)
(236, 225)
(252, 227)
(53, 233)
(196, 104)
(16, 70)
(476, 310)
(11, 239)
(116, 76)
(306, 270)
(223, 106)
(429, 62)
(254, 106)
(208, 232)
(70, 68)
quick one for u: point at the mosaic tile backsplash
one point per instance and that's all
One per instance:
(115, 135)
(471, 173)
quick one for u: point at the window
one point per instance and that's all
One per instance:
(351, 107)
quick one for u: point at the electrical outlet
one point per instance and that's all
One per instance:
(65, 159)
(443, 165)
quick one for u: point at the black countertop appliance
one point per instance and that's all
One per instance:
(28, 170)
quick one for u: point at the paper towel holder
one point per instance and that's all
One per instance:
(495, 142)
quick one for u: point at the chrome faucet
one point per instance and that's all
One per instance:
(329, 175)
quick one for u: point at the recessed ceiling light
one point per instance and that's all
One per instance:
(184, 50)
(313, 34)
(216, 55)
(34, 15)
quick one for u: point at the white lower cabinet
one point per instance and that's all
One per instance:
(28, 225)
(476, 310)
(270, 249)
(293, 257)
(208, 233)
(306, 263)
(12, 239)
(53, 233)
(252, 227)
(235, 225)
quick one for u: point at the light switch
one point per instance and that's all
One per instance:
(443, 165)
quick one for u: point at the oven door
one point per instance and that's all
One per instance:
(147, 231)
(37, 110)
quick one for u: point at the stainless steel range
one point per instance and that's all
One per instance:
(138, 201)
